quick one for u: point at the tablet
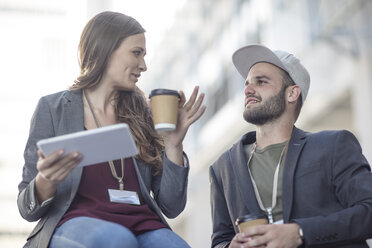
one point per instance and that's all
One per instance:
(96, 145)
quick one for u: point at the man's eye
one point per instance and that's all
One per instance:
(137, 53)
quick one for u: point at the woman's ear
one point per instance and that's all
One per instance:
(293, 93)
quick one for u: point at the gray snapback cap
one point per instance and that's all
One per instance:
(246, 57)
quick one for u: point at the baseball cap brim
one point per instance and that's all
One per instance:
(247, 56)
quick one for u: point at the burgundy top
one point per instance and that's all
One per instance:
(92, 199)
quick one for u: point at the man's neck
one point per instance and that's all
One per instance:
(273, 133)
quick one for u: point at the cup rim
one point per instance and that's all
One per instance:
(160, 91)
(248, 217)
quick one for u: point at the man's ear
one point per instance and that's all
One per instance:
(293, 93)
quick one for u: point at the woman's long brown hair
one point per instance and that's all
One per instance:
(101, 36)
(133, 110)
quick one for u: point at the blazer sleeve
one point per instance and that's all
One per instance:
(41, 127)
(352, 181)
(170, 187)
(223, 231)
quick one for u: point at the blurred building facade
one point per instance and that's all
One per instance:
(33, 55)
(331, 37)
(38, 48)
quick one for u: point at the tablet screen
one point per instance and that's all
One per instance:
(96, 145)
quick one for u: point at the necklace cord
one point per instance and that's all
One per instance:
(111, 163)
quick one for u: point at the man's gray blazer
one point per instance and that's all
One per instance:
(62, 113)
(327, 189)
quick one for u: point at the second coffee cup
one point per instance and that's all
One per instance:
(164, 107)
(248, 221)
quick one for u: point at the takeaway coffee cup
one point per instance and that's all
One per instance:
(164, 107)
(248, 221)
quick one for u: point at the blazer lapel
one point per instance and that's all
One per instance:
(73, 112)
(144, 175)
(238, 162)
(73, 118)
(295, 146)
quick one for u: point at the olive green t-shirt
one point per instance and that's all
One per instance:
(262, 166)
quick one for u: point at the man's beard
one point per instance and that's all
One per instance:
(270, 110)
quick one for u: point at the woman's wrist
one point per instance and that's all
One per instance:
(44, 188)
(175, 154)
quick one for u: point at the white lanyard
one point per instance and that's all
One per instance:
(268, 210)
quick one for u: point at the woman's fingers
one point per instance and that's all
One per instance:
(196, 106)
(182, 99)
(40, 154)
(196, 116)
(188, 113)
(45, 162)
(192, 99)
(65, 168)
(55, 168)
(192, 110)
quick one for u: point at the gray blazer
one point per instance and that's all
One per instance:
(62, 113)
(327, 189)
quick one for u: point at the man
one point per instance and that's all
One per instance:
(315, 187)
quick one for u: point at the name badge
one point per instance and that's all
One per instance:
(123, 196)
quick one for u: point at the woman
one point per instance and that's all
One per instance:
(72, 203)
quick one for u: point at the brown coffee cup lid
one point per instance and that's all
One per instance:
(249, 217)
(164, 92)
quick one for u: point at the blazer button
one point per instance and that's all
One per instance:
(31, 206)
